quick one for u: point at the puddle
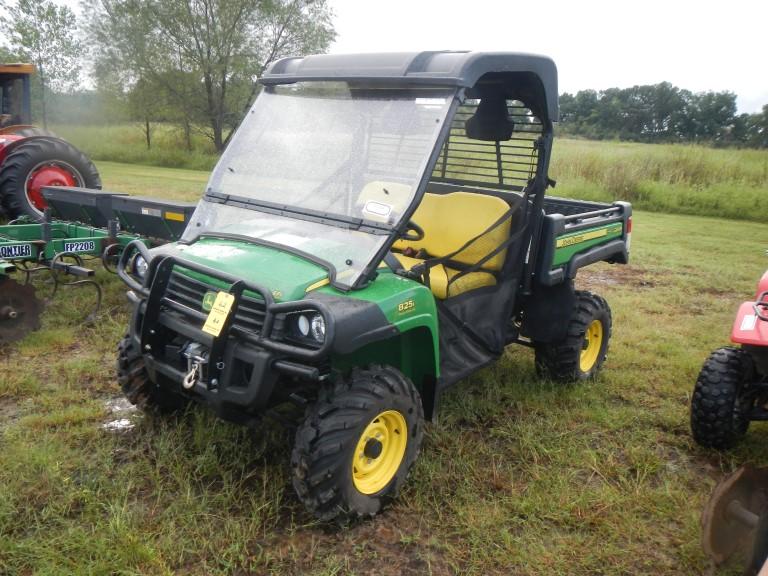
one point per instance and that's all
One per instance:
(121, 408)
(119, 425)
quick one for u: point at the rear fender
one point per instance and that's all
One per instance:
(7, 143)
(748, 328)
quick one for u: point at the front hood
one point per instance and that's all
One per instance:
(284, 274)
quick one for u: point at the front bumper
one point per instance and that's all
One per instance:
(243, 364)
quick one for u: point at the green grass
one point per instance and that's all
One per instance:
(518, 476)
(126, 143)
(173, 183)
(679, 179)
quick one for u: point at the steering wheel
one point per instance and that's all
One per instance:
(413, 232)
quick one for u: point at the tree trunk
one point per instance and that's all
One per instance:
(147, 133)
(188, 134)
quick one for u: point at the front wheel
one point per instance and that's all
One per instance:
(581, 354)
(134, 380)
(719, 408)
(357, 444)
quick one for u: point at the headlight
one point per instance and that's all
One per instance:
(317, 327)
(303, 325)
(309, 325)
(140, 266)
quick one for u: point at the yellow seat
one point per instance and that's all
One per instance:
(449, 221)
(440, 274)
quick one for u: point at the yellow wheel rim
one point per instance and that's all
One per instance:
(593, 342)
(379, 452)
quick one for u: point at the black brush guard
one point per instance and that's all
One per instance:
(261, 347)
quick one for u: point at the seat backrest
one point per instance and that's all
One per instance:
(450, 220)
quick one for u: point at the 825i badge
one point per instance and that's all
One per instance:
(85, 246)
(16, 251)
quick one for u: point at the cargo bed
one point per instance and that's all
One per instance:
(576, 233)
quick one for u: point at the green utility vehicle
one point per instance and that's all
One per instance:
(375, 232)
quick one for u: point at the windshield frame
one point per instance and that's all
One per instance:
(389, 232)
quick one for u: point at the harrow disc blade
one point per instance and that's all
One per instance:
(733, 513)
(19, 310)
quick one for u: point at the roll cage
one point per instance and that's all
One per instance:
(497, 136)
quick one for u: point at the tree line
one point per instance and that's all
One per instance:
(194, 64)
(661, 113)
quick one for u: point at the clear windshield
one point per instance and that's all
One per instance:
(346, 157)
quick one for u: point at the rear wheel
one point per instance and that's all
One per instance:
(42, 162)
(357, 444)
(719, 408)
(134, 380)
(581, 354)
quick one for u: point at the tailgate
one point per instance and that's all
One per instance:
(569, 242)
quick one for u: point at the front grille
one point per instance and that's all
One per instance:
(189, 292)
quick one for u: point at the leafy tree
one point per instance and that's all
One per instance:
(46, 34)
(206, 54)
(659, 113)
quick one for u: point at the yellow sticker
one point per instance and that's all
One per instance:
(585, 236)
(218, 314)
(406, 306)
(177, 216)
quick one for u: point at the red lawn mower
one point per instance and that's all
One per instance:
(732, 388)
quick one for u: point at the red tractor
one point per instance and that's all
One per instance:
(30, 157)
(732, 388)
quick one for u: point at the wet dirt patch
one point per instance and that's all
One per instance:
(10, 411)
(615, 275)
(396, 551)
(121, 415)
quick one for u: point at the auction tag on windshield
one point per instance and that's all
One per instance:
(218, 314)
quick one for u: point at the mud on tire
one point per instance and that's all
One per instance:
(134, 381)
(719, 411)
(562, 360)
(327, 442)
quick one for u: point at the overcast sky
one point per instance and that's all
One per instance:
(698, 45)
(695, 44)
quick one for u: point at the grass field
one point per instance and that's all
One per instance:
(518, 476)
(678, 179)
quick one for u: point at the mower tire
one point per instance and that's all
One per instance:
(357, 444)
(140, 391)
(37, 162)
(580, 355)
(719, 411)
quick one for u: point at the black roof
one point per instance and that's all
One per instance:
(454, 68)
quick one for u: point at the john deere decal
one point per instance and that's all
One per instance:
(208, 300)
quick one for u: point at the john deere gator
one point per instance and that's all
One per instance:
(376, 231)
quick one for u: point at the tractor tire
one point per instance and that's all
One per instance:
(719, 412)
(39, 162)
(357, 444)
(140, 391)
(580, 355)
